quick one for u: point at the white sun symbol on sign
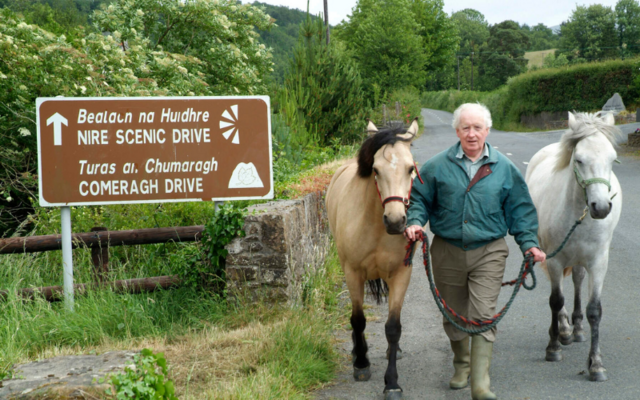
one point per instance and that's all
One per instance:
(231, 124)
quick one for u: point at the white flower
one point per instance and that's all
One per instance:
(236, 89)
(22, 87)
(191, 94)
(88, 78)
(24, 132)
(133, 30)
(262, 46)
(122, 63)
(9, 198)
(117, 34)
(139, 13)
(182, 70)
(105, 47)
(84, 42)
(257, 54)
(233, 8)
(83, 89)
(2, 76)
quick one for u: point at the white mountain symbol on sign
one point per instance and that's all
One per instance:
(232, 119)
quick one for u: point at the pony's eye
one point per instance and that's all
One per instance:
(411, 169)
(375, 171)
(579, 162)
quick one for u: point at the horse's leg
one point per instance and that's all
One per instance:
(355, 283)
(577, 316)
(556, 303)
(594, 314)
(398, 284)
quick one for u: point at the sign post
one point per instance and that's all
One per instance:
(96, 151)
(67, 256)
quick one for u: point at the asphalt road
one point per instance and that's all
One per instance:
(519, 370)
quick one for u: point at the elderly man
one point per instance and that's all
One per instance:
(471, 196)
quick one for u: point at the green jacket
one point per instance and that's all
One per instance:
(470, 214)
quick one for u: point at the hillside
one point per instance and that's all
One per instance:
(536, 58)
(283, 37)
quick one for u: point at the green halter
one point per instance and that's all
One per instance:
(586, 182)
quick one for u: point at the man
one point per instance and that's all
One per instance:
(471, 196)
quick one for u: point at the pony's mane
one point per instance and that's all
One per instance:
(589, 124)
(387, 135)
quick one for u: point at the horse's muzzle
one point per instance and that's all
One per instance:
(598, 212)
(395, 227)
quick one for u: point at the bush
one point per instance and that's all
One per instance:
(582, 87)
(410, 106)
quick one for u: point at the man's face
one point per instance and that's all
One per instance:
(472, 132)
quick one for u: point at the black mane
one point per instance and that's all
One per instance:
(387, 135)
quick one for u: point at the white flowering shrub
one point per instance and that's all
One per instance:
(130, 61)
(220, 33)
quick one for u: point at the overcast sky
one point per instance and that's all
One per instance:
(548, 12)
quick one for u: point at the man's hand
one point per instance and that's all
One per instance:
(411, 232)
(538, 255)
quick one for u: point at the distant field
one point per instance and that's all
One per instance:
(537, 57)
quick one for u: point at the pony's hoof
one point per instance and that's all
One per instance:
(579, 337)
(553, 356)
(362, 374)
(566, 339)
(393, 394)
(398, 354)
(598, 376)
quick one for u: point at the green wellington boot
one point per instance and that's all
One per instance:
(461, 358)
(481, 350)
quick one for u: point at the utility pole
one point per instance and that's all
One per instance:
(326, 18)
(458, 57)
(472, 70)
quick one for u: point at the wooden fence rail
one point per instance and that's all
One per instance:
(99, 240)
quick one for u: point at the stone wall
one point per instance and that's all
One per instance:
(546, 120)
(634, 139)
(285, 242)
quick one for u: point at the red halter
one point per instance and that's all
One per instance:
(403, 200)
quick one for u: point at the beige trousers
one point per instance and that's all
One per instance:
(469, 281)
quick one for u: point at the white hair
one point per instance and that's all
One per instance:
(481, 108)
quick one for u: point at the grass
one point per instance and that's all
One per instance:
(536, 58)
(216, 349)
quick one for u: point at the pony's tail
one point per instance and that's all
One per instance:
(378, 289)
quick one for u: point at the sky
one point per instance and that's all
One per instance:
(548, 12)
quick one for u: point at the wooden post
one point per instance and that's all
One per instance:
(472, 70)
(384, 114)
(398, 110)
(458, 57)
(100, 258)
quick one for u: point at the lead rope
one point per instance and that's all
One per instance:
(482, 325)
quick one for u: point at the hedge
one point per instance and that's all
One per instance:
(582, 87)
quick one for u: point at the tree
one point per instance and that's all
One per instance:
(473, 30)
(324, 87)
(503, 55)
(628, 26)
(383, 37)
(220, 33)
(542, 38)
(590, 33)
(440, 40)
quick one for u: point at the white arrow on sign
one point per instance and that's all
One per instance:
(57, 120)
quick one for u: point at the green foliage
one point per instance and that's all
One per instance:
(220, 34)
(542, 38)
(551, 61)
(473, 29)
(410, 106)
(590, 34)
(145, 380)
(440, 40)
(282, 38)
(323, 92)
(503, 55)
(383, 36)
(628, 27)
(219, 231)
(582, 87)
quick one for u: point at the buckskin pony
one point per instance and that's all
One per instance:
(567, 179)
(366, 204)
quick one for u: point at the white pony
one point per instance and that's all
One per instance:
(567, 180)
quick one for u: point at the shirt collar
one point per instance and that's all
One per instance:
(485, 153)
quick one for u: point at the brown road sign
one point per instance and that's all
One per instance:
(138, 150)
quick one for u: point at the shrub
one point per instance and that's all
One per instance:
(582, 87)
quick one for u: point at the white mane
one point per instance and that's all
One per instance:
(587, 124)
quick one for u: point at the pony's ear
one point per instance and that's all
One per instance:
(412, 131)
(573, 124)
(609, 119)
(371, 128)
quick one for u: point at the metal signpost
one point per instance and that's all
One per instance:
(94, 151)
